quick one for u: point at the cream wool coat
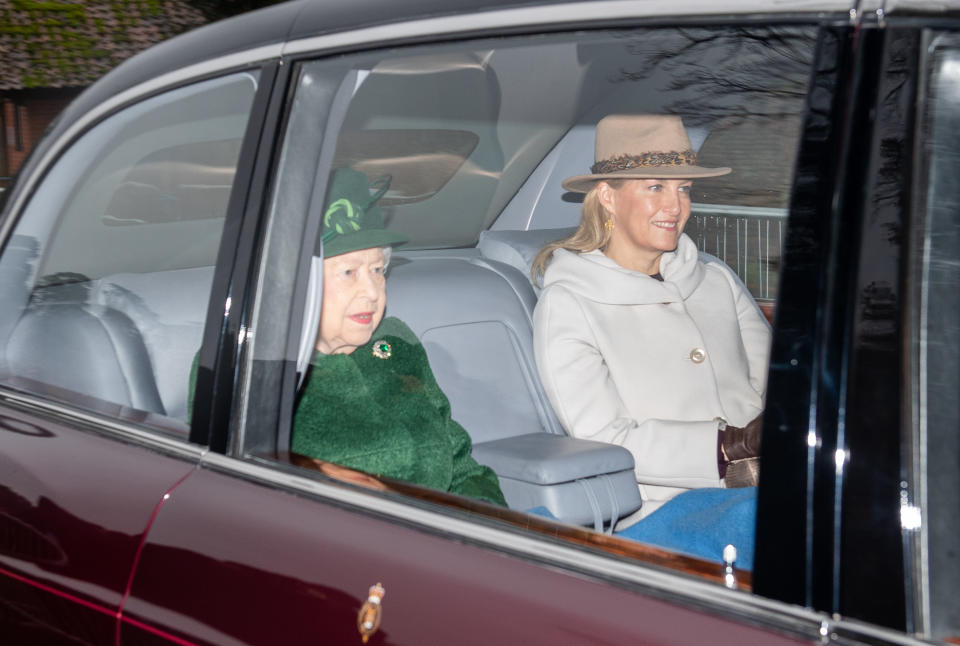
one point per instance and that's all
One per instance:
(617, 353)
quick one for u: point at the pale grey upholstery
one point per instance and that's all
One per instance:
(519, 248)
(547, 459)
(474, 318)
(97, 351)
(579, 481)
(129, 339)
(169, 308)
(477, 332)
(16, 262)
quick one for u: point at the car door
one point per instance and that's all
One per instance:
(258, 547)
(247, 554)
(861, 369)
(106, 275)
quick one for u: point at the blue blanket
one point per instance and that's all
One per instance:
(700, 522)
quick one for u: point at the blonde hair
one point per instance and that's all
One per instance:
(590, 235)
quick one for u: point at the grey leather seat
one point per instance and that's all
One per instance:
(518, 248)
(127, 339)
(62, 340)
(474, 318)
(169, 309)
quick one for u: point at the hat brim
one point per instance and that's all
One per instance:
(364, 239)
(583, 183)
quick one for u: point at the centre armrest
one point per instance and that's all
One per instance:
(544, 458)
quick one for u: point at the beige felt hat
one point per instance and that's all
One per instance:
(641, 146)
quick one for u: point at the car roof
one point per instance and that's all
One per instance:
(302, 19)
(299, 19)
(268, 32)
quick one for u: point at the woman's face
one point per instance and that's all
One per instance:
(648, 214)
(354, 296)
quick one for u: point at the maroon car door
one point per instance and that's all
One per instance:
(105, 281)
(244, 553)
(75, 506)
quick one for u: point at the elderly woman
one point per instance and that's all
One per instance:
(369, 400)
(640, 341)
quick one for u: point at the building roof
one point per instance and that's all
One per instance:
(71, 43)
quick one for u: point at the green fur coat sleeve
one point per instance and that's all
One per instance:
(383, 412)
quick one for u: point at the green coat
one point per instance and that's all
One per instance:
(388, 416)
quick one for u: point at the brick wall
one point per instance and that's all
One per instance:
(36, 110)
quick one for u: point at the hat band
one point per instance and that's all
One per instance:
(645, 160)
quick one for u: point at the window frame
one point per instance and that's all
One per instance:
(150, 429)
(225, 330)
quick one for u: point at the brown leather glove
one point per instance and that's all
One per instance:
(740, 443)
(743, 473)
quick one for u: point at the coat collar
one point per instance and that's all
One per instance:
(598, 278)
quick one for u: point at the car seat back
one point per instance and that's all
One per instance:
(63, 340)
(169, 309)
(474, 318)
(128, 339)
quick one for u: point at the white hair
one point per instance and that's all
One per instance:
(387, 252)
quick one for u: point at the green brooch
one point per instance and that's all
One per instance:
(382, 349)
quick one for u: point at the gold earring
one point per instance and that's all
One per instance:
(608, 225)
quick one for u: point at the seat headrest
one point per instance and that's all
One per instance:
(518, 248)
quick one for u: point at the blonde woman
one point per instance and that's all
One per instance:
(641, 341)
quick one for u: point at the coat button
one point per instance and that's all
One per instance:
(697, 355)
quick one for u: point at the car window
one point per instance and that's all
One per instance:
(461, 132)
(930, 519)
(106, 277)
(472, 141)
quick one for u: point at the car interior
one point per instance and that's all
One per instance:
(471, 302)
(475, 150)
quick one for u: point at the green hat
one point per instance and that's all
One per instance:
(353, 220)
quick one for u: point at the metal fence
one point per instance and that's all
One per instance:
(748, 239)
